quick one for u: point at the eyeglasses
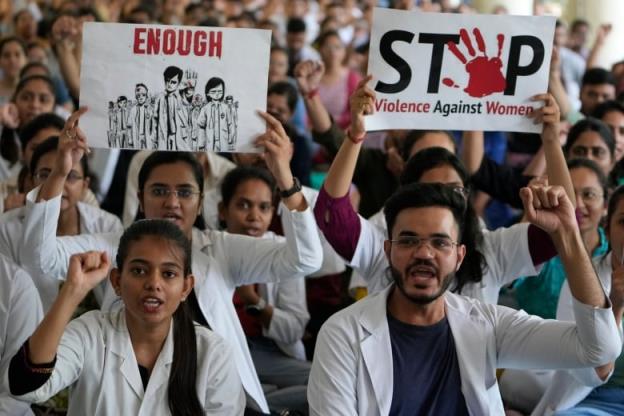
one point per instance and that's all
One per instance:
(590, 196)
(442, 245)
(162, 192)
(43, 174)
(598, 152)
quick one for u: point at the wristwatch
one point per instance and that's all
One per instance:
(293, 190)
(255, 310)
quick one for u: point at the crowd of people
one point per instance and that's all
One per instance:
(337, 271)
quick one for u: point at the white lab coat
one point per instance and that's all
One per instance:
(506, 251)
(219, 167)
(569, 387)
(95, 357)
(20, 313)
(221, 262)
(93, 220)
(352, 369)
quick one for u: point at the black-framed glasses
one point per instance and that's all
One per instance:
(163, 192)
(439, 244)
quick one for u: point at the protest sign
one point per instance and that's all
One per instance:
(458, 72)
(173, 87)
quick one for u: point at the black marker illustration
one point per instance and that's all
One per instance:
(177, 118)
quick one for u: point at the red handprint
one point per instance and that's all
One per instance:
(484, 74)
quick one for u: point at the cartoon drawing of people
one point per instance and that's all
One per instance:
(122, 139)
(140, 119)
(112, 118)
(215, 121)
(195, 110)
(232, 108)
(171, 119)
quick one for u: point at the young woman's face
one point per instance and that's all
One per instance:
(278, 65)
(216, 93)
(75, 184)
(589, 145)
(333, 51)
(37, 139)
(151, 282)
(250, 210)
(589, 198)
(12, 59)
(616, 232)
(34, 98)
(159, 201)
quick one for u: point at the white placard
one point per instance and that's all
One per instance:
(173, 87)
(458, 71)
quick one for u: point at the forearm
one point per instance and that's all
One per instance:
(472, 150)
(557, 167)
(537, 166)
(69, 68)
(317, 113)
(556, 88)
(584, 284)
(340, 174)
(52, 187)
(44, 342)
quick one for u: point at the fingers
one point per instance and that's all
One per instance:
(527, 201)
(273, 123)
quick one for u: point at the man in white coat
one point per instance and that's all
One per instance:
(415, 348)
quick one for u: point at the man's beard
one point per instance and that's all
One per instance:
(399, 281)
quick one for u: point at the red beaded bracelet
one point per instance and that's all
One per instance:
(312, 93)
(356, 140)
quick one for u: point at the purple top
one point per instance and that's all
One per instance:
(341, 226)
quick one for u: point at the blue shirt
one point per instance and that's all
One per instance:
(427, 381)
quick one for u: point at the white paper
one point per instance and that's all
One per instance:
(118, 57)
(473, 95)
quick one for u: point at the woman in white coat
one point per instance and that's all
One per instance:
(20, 313)
(170, 186)
(148, 358)
(75, 217)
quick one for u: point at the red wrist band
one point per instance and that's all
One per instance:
(312, 93)
(356, 140)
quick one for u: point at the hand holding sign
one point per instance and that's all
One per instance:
(549, 115)
(278, 150)
(362, 103)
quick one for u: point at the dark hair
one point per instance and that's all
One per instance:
(322, 38)
(279, 49)
(474, 265)
(50, 145)
(212, 83)
(285, 88)
(420, 195)
(576, 23)
(12, 39)
(590, 124)
(121, 98)
(606, 107)
(181, 389)
(32, 65)
(597, 76)
(140, 84)
(592, 166)
(173, 71)
(40, 122)
(415, 135)
(9, 148)
(241, 174)
(295, 25)
(166, 158)
(614, 200)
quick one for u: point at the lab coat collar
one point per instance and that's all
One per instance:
(121, 346)
(469, 334)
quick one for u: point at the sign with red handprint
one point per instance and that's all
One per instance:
(457, 72)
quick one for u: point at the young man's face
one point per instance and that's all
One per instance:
(615, 120)
(122, 104)
(171, 85)
(277, 105)
(423, 271)
(592, 95)
(141, 94)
